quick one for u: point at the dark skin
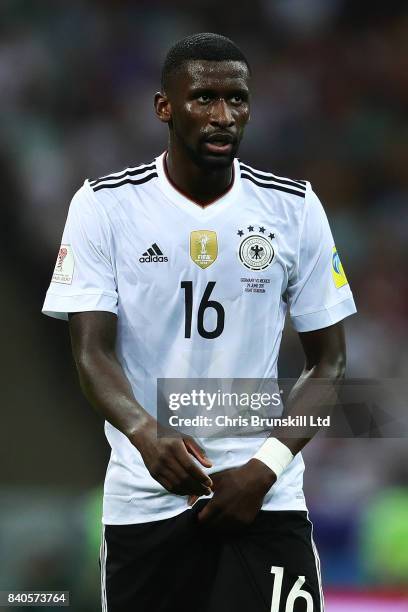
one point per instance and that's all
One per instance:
(104, 383)
(207, 103)
(239, 492)
(206, 107)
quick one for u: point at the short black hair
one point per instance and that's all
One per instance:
(202, 46)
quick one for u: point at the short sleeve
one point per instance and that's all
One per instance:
(318, 291)
(83, 278)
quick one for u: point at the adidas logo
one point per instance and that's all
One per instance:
(153, 254)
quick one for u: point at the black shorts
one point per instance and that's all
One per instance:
(177, 565)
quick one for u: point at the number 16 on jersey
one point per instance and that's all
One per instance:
(205, 303)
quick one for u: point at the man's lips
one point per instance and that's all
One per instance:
(219, 143)
(218, 147)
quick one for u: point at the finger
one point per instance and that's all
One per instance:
(216, 480)
(180, 480)
(166, 483)
(209, 514)
(194, 484)
(169, 479)
(192, 499)
(192, 469)
(197, 452)
(216, 519)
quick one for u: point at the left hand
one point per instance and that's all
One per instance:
(238, 496)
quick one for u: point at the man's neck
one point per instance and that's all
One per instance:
(201, 185)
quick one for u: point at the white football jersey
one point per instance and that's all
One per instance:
(135, 246)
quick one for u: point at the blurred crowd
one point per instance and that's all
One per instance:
(330, 93)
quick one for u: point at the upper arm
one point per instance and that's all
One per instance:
(325, 346)
(318, 291)
(84, 278)
(92, 333)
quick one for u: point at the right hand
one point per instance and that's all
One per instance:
(169, 460)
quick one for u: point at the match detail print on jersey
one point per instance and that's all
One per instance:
(64, 266)
(203, 247)
(339, 276)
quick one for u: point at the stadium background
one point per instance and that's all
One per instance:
(330, 94)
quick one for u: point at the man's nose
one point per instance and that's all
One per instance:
(221, 115)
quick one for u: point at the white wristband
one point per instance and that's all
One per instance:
(275, 455)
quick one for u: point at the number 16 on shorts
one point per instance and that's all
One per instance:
(295, 593)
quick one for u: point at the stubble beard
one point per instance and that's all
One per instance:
(202, 160)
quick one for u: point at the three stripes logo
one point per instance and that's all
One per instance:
(153, 254)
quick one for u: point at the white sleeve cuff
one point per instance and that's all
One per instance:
(58, 306)
(324, 318)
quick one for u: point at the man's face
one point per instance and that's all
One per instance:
(207, 108)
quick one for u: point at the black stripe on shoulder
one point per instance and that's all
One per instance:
(269, 185)
(127, 181)
(127, 172)
(271, 177)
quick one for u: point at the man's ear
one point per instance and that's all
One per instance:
(162, 107)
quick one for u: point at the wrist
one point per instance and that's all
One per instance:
(275, 455)
(262, 473)
(137, 432)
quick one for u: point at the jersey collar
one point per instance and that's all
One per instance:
(188, 204)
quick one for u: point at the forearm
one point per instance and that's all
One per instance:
(104, 383)
(108, 390)
(313, 395)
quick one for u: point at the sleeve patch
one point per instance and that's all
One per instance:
(339, 276)
(64, 267)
